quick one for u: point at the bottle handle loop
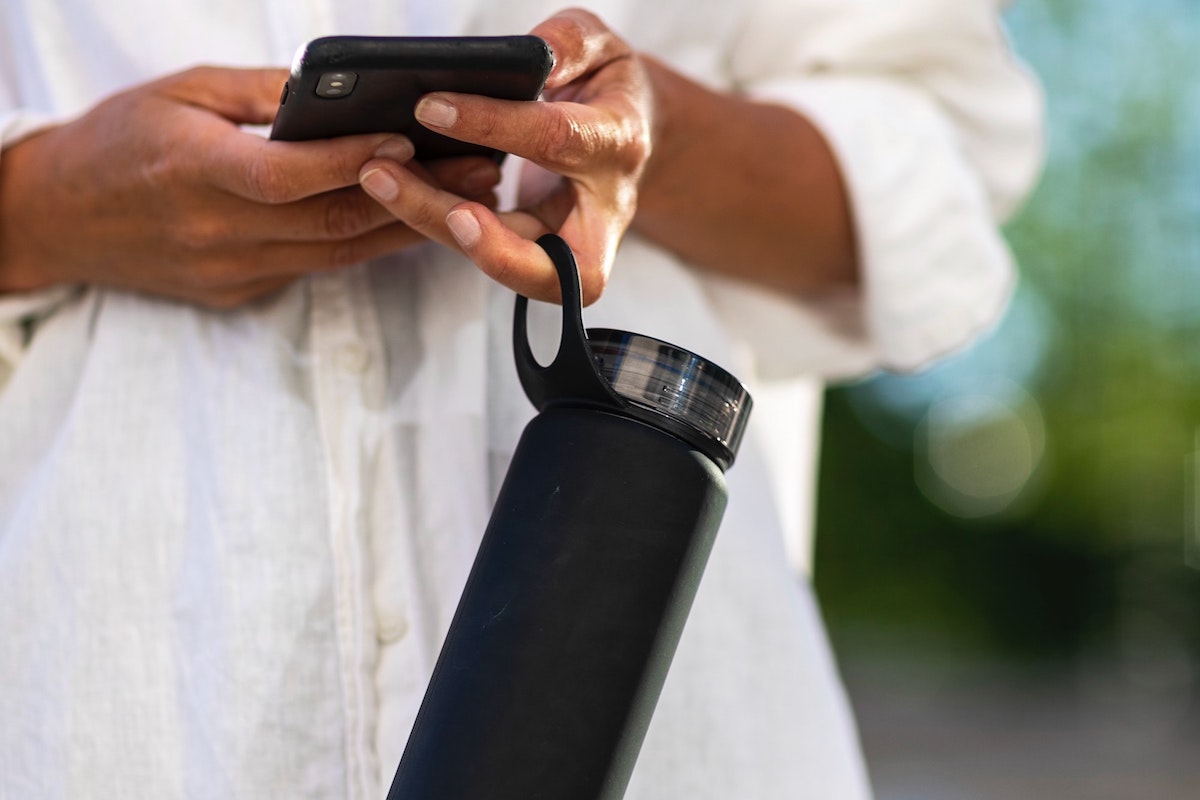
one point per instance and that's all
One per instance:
(573, 374)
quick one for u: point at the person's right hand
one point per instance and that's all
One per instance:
(158, 189)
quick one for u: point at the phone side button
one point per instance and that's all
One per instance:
(283, 97)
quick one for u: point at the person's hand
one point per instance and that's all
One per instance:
(158, 189)
(587, 146)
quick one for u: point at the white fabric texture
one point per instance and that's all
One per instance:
(230, 543)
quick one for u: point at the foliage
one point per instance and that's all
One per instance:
(1109, 248)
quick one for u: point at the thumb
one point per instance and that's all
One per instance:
(243, 96)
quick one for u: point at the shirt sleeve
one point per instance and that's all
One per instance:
(938, 131)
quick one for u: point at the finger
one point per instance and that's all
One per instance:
(274, 172)
(271, 260)
(233, 297)
(426, 209)
(469, 176)
(416, 202)
(565, 138)
(500, 245)
(487, 197)
(244, 163)
(330, 217)
(243, 96)
(581, 44)
(593, 237)
(296, 258)
(504, 247)
(510, 257)
(185, 287)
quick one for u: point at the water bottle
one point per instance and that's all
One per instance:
(558, 650)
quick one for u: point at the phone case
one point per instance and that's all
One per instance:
(343, 85)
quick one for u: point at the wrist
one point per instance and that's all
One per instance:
(746, 188)
(22, 267)
(666, 87)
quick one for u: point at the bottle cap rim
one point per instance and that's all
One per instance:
(675, 382)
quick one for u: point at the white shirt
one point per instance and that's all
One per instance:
(230, 543)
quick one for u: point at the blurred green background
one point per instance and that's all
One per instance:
(1008, 549)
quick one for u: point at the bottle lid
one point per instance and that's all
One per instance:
(636, 376)
(674, 382)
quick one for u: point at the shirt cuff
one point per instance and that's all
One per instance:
(934, 268)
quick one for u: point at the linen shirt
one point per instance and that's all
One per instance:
(231, 542)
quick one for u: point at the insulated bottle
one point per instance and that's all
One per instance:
(577, 597)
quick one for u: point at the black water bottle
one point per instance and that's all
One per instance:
(570, 616)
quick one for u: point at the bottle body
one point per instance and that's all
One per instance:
(570, 616)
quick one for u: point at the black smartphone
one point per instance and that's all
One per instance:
(341, 85)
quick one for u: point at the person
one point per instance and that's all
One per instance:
(257, 396)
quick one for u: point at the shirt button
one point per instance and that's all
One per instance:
(353, 358)
(392, 630)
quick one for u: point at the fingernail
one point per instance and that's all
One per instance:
(380, 185)
(436, 112)
(465, 227)
(397, 148)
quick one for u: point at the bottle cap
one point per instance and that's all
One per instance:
(674, 382)
(637, 376)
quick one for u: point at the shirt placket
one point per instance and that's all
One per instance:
(346, 365)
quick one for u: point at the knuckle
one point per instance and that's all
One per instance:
(564, 144)
(571, 28)
(200, 233)
(200, 73)
(486, 122)
(580, 41)
(163, 170)
(343, 255)
(216, 277)
(425, 217)
(267, 182)
(237, 296)
(197, 72)
(346, 215)
(502, 270)
(216, 270)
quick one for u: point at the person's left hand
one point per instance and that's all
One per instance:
(586, 149)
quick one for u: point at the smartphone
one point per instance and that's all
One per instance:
(341, 85)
